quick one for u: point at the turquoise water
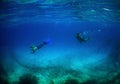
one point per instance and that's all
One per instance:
(51, 26)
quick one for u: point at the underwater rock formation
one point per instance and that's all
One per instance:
(3, 80)
(71, 81)
(28, 79)
(113, 80)
(51, 82)
(3, 75)
(90, 82)
(116, 79)
(2, 70)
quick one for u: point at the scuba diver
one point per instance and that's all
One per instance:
(80, 38)
(35, 48)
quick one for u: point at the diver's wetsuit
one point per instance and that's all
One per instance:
(35, 48)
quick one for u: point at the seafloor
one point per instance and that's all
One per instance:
(63, 59)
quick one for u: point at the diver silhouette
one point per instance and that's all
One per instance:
(35, 48)
(80, 38)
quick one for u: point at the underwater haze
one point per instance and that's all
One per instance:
(59, 42)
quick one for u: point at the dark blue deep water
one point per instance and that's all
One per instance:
(59, 42)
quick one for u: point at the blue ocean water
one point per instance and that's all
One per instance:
(51, 26)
